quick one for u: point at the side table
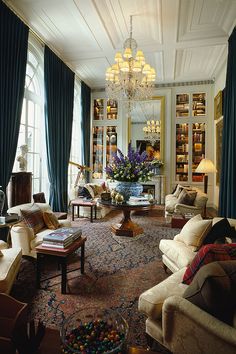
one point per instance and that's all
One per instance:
(84, 203)
(62, 256)
(178, 221)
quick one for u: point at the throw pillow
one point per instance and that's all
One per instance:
(83, 192)
(194, 231)
(33, 217)
(1, 254)
(208, 254)
(213, 290)
(220, 229)
(187, 197)
(51, 221)
(178, 190)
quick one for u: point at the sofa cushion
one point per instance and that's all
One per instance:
(194, 232)
(177, 252)
(33, 217)
(207, 254)
(186, 197)
(221, 229)
(9, 266)
(151, 301)
(214, 290)
(17, 209)
(50, 221)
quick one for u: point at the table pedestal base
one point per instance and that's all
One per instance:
(127, 227)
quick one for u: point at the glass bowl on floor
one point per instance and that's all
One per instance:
(94, 331)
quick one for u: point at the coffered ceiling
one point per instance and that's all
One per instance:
(185, 40)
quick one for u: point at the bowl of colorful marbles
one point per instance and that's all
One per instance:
(94, 331)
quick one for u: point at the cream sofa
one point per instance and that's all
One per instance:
(95, 190)
(23, 237)
(176, 254)
(173, 206)
(181, 326)
(9, 267)
(171, 319)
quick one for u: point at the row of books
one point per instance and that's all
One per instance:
(62, 238)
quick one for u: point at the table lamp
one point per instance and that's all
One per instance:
(205, 166)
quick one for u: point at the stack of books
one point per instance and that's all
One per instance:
(62, 238)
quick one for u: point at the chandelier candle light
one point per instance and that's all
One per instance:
(130, 78)
(152, 130)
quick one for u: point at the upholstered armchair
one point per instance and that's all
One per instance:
(27, 238)
(175, 204)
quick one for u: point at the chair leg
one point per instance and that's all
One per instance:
(150, 341)
(164, 267)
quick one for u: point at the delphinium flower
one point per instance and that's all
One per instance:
(134, 167)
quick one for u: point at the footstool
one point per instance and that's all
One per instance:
(84, 203)
(9, 266)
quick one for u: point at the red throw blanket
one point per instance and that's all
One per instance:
(207, 254)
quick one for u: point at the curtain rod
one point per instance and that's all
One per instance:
(37, 36)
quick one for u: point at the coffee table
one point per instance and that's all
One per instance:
(127, 227)
(62, 256)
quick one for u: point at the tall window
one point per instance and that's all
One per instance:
(75, 152)
(32, 119)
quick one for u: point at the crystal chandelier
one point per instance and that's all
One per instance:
(130, 78)
(152, 130)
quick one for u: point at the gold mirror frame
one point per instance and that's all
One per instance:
(162, 120)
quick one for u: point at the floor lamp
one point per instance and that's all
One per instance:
(205, 166)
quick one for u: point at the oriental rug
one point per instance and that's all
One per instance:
(116, 273)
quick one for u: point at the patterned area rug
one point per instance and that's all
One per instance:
(117, 271)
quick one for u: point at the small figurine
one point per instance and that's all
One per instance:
(22, 158)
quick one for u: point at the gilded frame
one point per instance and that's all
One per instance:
(219, 131)
(218, 105)
(162, 119)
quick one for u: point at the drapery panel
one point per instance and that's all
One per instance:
(13, 59)
(59, 98)
(227, 192)
(85, 125)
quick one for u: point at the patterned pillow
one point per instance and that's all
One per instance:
(51, 221)
(187, 197)
(208, 254)
(33, 217)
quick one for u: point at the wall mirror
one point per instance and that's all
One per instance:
(143, 111)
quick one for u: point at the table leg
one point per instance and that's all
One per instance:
(127, 227)
(63, 275)
(73, 211)
(95, 206)
(91, 213)
(82, 258)
(77, 211)
(38, 271)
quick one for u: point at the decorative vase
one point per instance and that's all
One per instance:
(2, 200)
(129, 188)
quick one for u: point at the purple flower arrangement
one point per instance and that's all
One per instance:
(134, 167)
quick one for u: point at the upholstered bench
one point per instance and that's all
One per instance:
(9, 266)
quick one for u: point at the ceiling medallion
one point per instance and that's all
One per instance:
(130, 78)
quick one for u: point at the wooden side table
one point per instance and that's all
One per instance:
(84, 203)
(178, 221)
(62, 256)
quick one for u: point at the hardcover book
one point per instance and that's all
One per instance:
(64, 234)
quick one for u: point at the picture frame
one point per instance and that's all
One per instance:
(219, 132)
(218, 105)
(152, 149)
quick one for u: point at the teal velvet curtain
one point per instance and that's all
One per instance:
(86, 125)
(227, 192)
(59, 99)
(13, 59)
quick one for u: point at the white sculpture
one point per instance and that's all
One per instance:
(22, 158)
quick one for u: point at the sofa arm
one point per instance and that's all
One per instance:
(65, 223)
(21, 236)
(189, 329)
(183, 209)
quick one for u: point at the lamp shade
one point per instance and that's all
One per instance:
(206, 166)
